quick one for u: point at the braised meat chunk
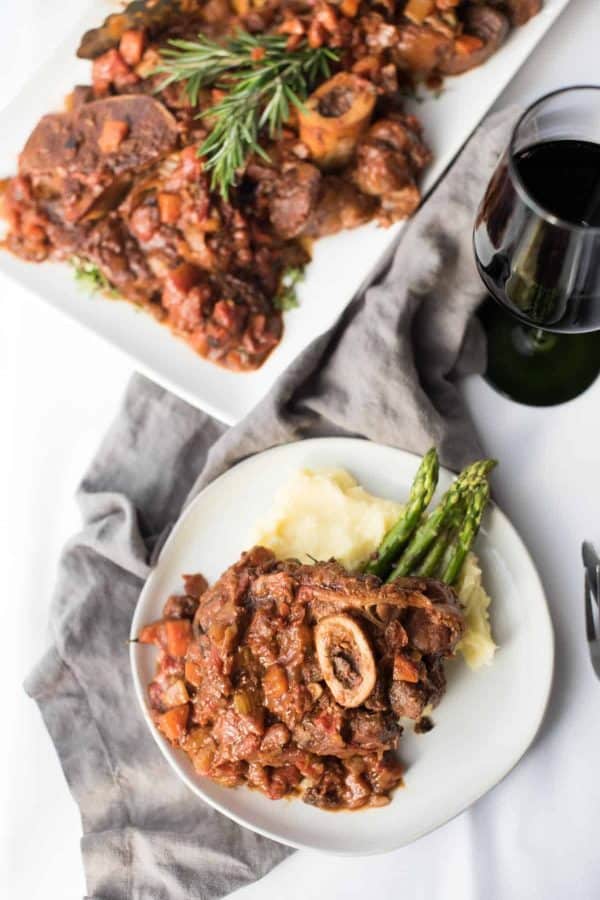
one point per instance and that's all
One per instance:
(115, 135)
(486, 29)
(291, 678)
(388, 160)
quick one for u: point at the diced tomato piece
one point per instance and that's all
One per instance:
(179, 635)
(155, 695)
(195, 585)
(110, 68)
(31, 228)
(169, 206)
(153, 634)
(182, 279)
(173, 723)
(191, 164)
(112, 135)
(131, 46)
(144, 221)
(227, 314)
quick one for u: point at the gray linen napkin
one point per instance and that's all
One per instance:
(386, 372)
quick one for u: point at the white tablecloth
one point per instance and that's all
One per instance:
(535, 836)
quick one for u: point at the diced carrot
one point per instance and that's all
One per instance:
(112, 135)
(418, 10)
(212, 224)
(293, 41)
(405, 669)
(467, 43)
(327, 16)
(169, 206)
(179, 635)
(349, 7)
(173, 723)
(316, 34)
(292, 25)
(131, 46)
(193, 673)
(153, 634)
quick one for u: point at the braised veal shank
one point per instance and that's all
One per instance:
(291, 678)
(116, 179)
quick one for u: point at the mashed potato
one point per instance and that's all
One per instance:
(326, 513)
(477, 645)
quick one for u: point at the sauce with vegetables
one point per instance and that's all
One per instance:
(122, 179)
(291, 678)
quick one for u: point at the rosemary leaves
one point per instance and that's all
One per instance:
(261, 79)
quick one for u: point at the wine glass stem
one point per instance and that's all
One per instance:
(531, 341)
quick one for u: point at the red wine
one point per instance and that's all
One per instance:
(564, 178)
(528, 253)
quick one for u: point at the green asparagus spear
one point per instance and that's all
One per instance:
(420, 496)
(431, 564)
(467, 532)
(449, 548)
(426, 534)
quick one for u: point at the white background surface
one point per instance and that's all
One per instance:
(535, 837)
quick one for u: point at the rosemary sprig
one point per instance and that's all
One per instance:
(261, 79)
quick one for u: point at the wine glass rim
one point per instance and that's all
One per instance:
(538, 208)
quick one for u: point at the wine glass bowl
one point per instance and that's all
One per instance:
(537, 249)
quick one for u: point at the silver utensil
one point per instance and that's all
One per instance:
(591, 562)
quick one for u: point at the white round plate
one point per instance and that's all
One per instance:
(486, 720)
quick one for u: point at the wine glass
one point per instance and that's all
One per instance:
(537, 248)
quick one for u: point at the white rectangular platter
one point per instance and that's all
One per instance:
(341, 265)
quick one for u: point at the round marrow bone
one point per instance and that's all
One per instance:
(346, 659)
(334, 118)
